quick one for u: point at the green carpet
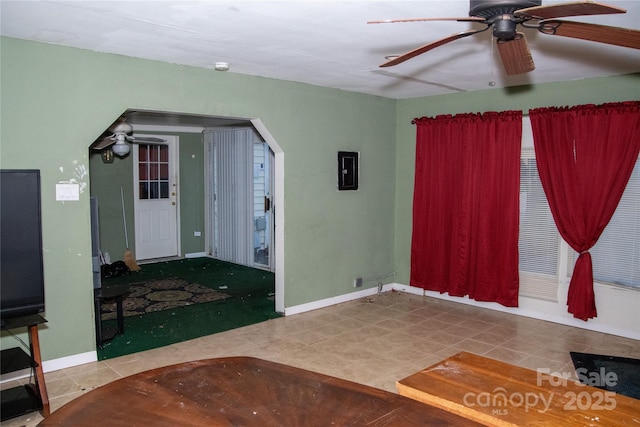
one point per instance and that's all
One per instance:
(251, 302)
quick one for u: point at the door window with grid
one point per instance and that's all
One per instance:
(153, 172)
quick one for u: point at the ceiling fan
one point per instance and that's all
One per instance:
(505, 15)
(117, 136)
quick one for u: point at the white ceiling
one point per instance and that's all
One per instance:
(325, 43)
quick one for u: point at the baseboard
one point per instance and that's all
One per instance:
(53, 365)
(518, 311)
(196, 255)
(297, 309)
(69, 361)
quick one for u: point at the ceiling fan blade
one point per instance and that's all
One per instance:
(560, 10)
(618, 36)
(422, 49)
(515, 55)
(145, 139)
(462, 19)
(103, 143)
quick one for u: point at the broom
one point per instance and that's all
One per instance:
(129, 259)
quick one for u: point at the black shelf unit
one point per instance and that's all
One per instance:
(31, 397)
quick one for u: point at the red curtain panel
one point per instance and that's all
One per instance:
(585, 156)
(466, 205)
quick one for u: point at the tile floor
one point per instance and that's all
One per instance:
(375, 341)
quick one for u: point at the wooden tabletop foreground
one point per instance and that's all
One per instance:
(243, 391)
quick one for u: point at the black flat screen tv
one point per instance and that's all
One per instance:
(21, 273)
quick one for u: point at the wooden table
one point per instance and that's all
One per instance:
(499, 394)
(242, 391)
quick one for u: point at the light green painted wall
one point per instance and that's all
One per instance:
(591, 91)
(56, 101)
(191, 189)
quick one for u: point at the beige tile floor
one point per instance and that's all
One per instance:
(375, 341)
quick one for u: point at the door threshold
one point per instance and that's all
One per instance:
(156, 260)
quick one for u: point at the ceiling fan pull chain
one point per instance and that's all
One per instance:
(492, 81)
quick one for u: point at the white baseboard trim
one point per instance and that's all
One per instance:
(69, 361)
(520, 312)
(53, 365)
(297, 309)
(196, 255)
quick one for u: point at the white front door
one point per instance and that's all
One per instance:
(155, 193)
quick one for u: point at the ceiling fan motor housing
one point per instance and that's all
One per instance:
(499, 14)
(491, 8)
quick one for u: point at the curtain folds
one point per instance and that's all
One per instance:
(585, 156)
(466, 205)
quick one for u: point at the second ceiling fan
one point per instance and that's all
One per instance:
(505, 15)
(119, 135)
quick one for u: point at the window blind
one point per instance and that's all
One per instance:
(616, 256)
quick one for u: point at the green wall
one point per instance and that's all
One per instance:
(56, 101)
(106, 180)
(591, 91)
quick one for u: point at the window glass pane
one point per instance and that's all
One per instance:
(143, 171)
(153, 190)
(538, 241)
(616, 256)
(143, 154)
(144, 190)
(164, 190)
(153, 172)
(164, 153)
(153, 153)
(164, 171)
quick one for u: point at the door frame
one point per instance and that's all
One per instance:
(277, 200)
(173, 144)
(277, 203)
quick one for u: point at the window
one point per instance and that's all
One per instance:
(538, 242)
(616, 256)
(153, 171)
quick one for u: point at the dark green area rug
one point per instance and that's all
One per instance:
(161, 294)
(249, 300)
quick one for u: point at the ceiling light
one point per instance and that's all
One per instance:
(221, 66)
(120, 148)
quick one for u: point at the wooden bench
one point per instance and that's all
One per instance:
(495, 393)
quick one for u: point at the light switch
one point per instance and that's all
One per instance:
(67, 192)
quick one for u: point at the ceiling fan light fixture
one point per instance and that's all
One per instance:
(121, 149)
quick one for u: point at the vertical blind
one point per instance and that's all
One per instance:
(233, 187)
